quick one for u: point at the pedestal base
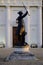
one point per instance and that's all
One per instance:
(21, 53)
(22, 48)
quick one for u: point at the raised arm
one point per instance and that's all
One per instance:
(25, 14)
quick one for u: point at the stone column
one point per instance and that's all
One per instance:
(27, 27)
(8, 28)
(40, 26)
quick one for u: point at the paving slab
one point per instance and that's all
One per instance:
(22, 62)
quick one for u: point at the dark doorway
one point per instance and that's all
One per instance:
(15, 37)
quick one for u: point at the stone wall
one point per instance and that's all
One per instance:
(19, 2)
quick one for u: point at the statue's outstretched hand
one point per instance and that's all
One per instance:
(27, 11)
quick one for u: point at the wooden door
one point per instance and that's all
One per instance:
(15, 37)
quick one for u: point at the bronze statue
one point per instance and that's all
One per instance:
(20, 29)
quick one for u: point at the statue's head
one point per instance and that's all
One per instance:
(20, 12)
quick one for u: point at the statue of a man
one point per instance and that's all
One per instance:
(20, 25)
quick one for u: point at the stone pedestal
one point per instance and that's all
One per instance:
(22, 48)
(21, 53)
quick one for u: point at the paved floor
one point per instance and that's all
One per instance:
(38, 52)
